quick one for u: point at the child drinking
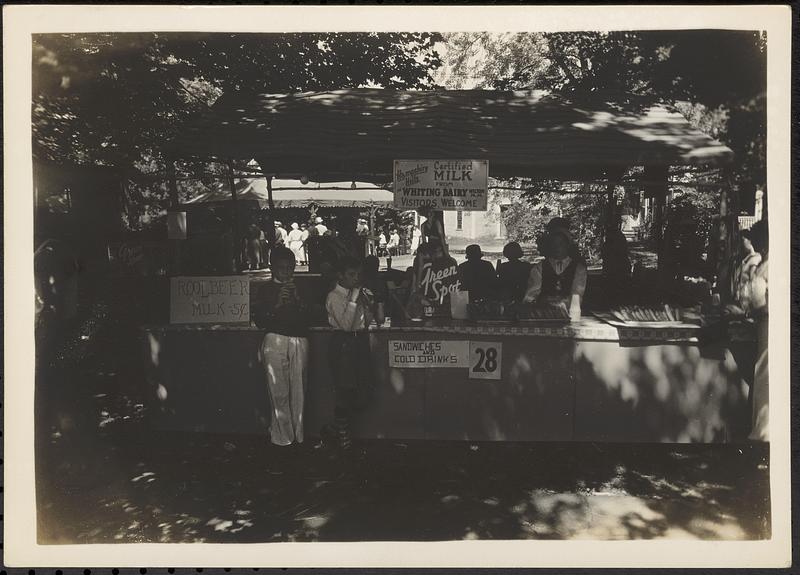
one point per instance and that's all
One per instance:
(349, 307)
(284, 312)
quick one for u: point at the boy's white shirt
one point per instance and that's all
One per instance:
(344, 311)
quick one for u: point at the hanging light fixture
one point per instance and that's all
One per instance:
(304, 179)
(353, 185)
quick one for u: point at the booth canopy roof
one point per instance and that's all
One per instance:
(293, 194)
(358, 133)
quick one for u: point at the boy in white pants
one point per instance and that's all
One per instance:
(283, 311)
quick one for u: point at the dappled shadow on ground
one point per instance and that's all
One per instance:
(183, 487)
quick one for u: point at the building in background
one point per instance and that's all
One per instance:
(478, 227)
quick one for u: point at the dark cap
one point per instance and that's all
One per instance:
(512, 251)
(474, 252)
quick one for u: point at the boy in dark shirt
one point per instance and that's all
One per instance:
(477, 276)
(284, 312)
(513, 275)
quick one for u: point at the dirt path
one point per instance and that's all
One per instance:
(141, 487)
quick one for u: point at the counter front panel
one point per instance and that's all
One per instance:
(585, 382)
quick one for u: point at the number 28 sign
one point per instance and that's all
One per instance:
(485, 359)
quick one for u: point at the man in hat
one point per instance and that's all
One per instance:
(362, 229)
(280, 234)
(321, 228)
(477, 275)
(560, 278)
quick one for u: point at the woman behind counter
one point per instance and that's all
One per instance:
(560, 278)
(513, 275)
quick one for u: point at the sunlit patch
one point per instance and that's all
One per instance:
(397, 381)
(315, 522)
(147, 476)
(520, 369)
(155, 348)
(161, 392)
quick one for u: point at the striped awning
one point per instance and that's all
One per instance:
(347, 134)
(293, 194)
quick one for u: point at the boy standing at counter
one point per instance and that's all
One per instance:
(285, 314)
(349, 307)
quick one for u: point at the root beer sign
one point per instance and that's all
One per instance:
(213, 299)
(441, 184)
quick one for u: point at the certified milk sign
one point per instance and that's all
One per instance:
(441, 184)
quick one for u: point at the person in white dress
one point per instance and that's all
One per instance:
(295, 241)
(416, 234)
(304, 233)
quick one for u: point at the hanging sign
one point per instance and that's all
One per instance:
(437, 281)
(215, 299)
(441, 184)
(428, 353)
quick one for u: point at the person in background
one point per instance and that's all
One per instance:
(744, 275)
(382, 244)
(313, 249)
(284, 311)
(304, 233)
(253, 247)
(280, 234)
(415, 236)
(393, 244)
(560, 278)
(373, 282)
(321, 227)
(513, 274)
(362, 228)
(616, 267)
(265, 246)
(477, 275)
(432, 227)
(757, 307)
(362, 237)
(349, 306)
(294, 242)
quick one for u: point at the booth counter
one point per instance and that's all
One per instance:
(585, 381)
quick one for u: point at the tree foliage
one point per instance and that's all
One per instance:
(114, 98)
(716, 78)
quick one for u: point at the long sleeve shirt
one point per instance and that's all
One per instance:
(346, 310)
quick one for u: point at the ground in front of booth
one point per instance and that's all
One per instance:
(145, 487)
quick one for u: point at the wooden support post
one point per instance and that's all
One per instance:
(657, 178)
(270, 232)
(728, 238)
(611, 209)
(175, 245)
(238, 239)
(172, 184)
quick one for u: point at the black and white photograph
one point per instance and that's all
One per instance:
(334, 283)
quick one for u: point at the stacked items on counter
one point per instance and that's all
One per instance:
(637, 313)
(489, 311)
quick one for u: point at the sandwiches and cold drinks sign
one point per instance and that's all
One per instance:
(483, 359)
(441, 184)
